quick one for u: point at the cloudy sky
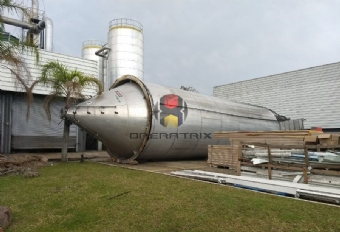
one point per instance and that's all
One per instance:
(203, 43)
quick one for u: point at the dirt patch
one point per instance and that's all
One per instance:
(23, 165)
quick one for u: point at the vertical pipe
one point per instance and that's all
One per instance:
(101, 69)
(105, 76)
(48, 34)
(35, 9)
(42, 39)
(34, 18)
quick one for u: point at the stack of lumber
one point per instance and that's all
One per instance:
(227, 156)
(261, 134)
(290, 154)
(269, 137)
(297, 137)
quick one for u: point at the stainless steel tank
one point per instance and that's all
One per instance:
(89, 49)
(125, 39)
(137, 120)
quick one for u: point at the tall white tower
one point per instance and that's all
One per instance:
(125, 40)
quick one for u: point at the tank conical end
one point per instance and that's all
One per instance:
(113, 117)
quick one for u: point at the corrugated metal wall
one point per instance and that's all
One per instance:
(38, 132)
(0, 114)
(0, 118)
(6, 122)
(311, 93)
(8, 81)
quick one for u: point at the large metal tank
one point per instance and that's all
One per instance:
(137, 120)
(89, 49)
(125, 39)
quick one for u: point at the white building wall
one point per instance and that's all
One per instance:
(8, 81)
(312, 93)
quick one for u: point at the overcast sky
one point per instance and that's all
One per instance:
(203, 43)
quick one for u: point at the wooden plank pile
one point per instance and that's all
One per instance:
(290, 151)
(227, 155)
(309, 137)
(245, 134)
(272, 137)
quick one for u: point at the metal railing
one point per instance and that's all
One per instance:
(5, 36)
(29, 10)
(126, 22)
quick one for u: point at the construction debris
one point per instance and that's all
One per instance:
(307, 152)
(283, 188)
(23, 165)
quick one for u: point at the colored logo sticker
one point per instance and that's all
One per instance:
(171, 111)
(118, 94)
(117, 98)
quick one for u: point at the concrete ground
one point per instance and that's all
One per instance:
(72, 156)
(164, 167)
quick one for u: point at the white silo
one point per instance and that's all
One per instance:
(90, 47)
(125, 40)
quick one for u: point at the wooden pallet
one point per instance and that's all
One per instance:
(223, 156)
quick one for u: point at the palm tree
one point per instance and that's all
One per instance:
(67, 84)
(10, 52)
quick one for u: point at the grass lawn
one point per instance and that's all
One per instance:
(80, 197)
